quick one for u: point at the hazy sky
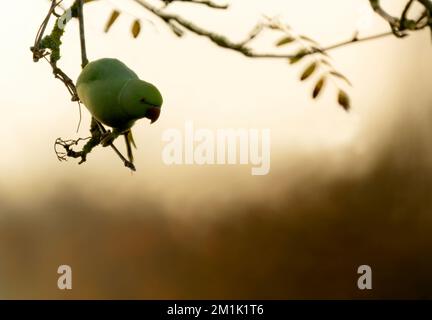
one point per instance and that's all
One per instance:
(213, 87)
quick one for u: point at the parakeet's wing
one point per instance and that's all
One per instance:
(105, 69)
(98, 88)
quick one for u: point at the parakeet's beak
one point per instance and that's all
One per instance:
(153, 114)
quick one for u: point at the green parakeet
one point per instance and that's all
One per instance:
(116, 97)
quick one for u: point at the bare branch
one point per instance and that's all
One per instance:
(427, 4)
(242, 46)
(376, 6)
(84, 60)
(402, 24)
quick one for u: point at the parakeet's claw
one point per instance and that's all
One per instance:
(108, 138)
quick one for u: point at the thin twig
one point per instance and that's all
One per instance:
(37, 52)
(357, 40)
(400, 25)
(376, 6)
(427, 4)
(84, 60)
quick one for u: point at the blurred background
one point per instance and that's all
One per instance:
(345, 189)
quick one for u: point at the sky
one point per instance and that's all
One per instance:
(313, 143)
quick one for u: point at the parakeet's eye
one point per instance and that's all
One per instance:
(143, 100)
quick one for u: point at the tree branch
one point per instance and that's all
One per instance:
(242, 46)
(402, 24)
(84, 60)
(427, 4)
(376, 6)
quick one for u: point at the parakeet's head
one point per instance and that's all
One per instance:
(141, 99)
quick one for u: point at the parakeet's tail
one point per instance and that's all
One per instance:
(129, 143)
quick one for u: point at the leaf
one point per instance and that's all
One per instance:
(318, 87)
(344, 100)
(136, 28)
(298, 56)
(114, 15)
(340, 76)
(308, 71)
(285, 41)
